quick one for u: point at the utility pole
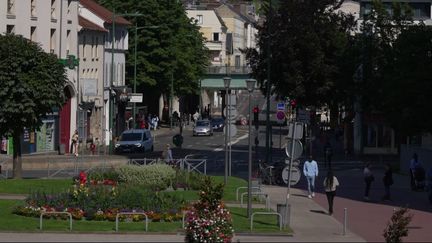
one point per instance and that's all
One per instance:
(268, 87)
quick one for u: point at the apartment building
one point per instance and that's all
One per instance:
(53, 24)
(103, 70)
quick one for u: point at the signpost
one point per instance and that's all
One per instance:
(280, 115)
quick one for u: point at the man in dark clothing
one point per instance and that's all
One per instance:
(328, 153)
(388, 181)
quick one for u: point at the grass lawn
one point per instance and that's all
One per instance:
(25, 186)
(12, 222)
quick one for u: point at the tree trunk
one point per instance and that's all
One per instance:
(17, 162)
(334, 115)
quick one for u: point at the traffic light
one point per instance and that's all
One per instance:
(293, 104)
(256, 118)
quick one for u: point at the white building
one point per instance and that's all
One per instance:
(53, 24)
(112, 84)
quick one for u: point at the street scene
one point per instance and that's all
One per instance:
(215, 121)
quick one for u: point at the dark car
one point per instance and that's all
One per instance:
(217, 123)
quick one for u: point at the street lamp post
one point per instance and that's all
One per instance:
(111, 99)
(135, 65)
(250, 84)
(227, 82)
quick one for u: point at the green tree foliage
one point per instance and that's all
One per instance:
(174, 48)
(407, 82)
(32, 83)
(307, 41)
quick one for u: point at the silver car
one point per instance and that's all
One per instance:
(202, 127)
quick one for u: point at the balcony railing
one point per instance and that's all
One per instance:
(222, 69)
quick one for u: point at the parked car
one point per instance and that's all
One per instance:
(202, 127)
(134, 141)
(217, 123)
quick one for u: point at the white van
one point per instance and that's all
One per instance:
(134, 141)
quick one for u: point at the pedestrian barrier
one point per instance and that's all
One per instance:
(74, 160)
(4, 168)
(131, 213)
(197, 165)
(245, 187)
(266, 213)
(144, 161)
(267, 205)
(55, 212)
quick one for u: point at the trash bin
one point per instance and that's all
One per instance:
(62, 149)
(178, 140)
(282, 209)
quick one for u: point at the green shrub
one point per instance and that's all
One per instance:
(101, 174)
(155, 177)
(397, 227)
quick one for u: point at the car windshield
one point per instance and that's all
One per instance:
(202, 123)
(131, 137)
(218, 120)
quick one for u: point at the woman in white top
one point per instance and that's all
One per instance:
(330, 184)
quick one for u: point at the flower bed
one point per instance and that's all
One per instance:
(101, 199)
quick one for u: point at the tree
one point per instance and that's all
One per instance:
(397, 227)
(305, 51)
(176, 48)
(32, 83)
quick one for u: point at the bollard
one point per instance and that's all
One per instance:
(345, 221)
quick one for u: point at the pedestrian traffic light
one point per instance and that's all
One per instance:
(293, 103)
(256, 117)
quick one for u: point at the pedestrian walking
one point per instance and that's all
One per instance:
(429, 184)
(388, 181)
(414, 162)
(75, 141)
(310, 171)
(368, 178)
(328, 153)
(167, 154)
(330, 184)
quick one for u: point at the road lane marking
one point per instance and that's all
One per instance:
(233, 142)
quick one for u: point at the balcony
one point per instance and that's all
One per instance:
(214, 45)
(222, 69)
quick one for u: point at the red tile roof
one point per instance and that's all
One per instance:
(87, 24)
(103, 13)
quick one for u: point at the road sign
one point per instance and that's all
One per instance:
(281, 106)
(232, 130)
(303, 116)
(243, 121)
(135, 97)
(298, 149)
(298, 131)
(280, 115)
(295, 175)
(232, 113)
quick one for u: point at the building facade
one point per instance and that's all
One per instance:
(53, 24)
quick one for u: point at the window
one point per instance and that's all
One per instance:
(84, 47)
(237, 61)
(52, 40)
(68, 41)
(97, 47)
(33, 33)
(68, 6)
(93, 47)
(200, 19)
(10, 29)
(33, 8)
(419, 10)
(11, 6)
(53, 9)
(215, 36)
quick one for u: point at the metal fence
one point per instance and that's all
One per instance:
(196, 165)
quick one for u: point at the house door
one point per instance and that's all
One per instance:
(64, 120)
